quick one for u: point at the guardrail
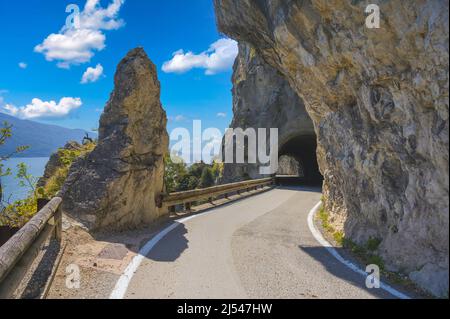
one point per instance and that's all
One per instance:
(19, 252)
(188, 197)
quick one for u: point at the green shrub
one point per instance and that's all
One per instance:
(207, 178)
(373, 243)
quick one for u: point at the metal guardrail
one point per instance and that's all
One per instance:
(19, 252)
(188, 197)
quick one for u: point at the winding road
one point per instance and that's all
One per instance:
(260, 247)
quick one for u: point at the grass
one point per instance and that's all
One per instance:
(366, 253)
(338, 236)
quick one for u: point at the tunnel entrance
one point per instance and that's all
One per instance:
(298, 161)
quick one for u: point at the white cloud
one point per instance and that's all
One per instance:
(38, 108)
(23, 65)
(219, 57)
(180, 118)
(221, 114)
(73, 45)
(92, 74)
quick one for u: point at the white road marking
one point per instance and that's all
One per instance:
(336, 255)
(122, 284)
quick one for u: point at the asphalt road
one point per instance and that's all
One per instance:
(260, 247)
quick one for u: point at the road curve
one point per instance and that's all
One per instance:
(260, 247)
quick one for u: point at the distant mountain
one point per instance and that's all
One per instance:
(43, 139)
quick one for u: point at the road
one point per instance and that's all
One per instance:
(260, 247)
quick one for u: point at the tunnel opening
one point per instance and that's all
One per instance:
(298, 161)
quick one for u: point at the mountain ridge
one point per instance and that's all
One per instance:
(42, 139)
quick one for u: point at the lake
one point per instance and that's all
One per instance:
(36, 167)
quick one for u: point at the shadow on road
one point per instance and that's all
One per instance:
(171, 250)
(337, 269)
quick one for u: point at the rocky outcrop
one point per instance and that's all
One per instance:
(115, 186)
(379, 102)
(263, 98)
(55, 162)
(289, 166)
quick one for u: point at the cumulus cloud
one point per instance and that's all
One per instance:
(218, 58)
(92, 75)
(38, 108)
(23, 65)
(221, 114)
(77, 44)
(180, 118)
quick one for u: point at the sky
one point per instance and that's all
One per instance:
(62, 73)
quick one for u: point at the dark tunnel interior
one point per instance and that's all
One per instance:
(303, 149)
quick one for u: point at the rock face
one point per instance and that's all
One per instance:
(116, 184)
(289, 166)
(262, 98)
(54, 163)
(379, 102)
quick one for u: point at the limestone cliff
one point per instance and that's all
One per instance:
(379, 102)
(116, 184)
(263, 98)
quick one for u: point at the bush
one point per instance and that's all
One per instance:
(207, 178)
(174, 172)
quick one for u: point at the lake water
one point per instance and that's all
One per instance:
(36, 167)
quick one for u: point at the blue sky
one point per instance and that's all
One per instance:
(40, 61)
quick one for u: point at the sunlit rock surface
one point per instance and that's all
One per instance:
(115, 186)
(379, 102)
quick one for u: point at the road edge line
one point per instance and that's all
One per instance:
(329, 247)
(121, 287)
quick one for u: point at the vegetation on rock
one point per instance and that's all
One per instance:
(18, 213)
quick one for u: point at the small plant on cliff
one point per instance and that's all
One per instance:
(373, 243)
(66, 158)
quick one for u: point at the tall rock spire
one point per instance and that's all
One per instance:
(115, 186)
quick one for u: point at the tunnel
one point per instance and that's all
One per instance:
(301, 149)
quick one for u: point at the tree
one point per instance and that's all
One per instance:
(175, 170)
(207, 178)
(5, 134)
(196, 169)
(187, 182)
(20, 212)
(217, 169)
